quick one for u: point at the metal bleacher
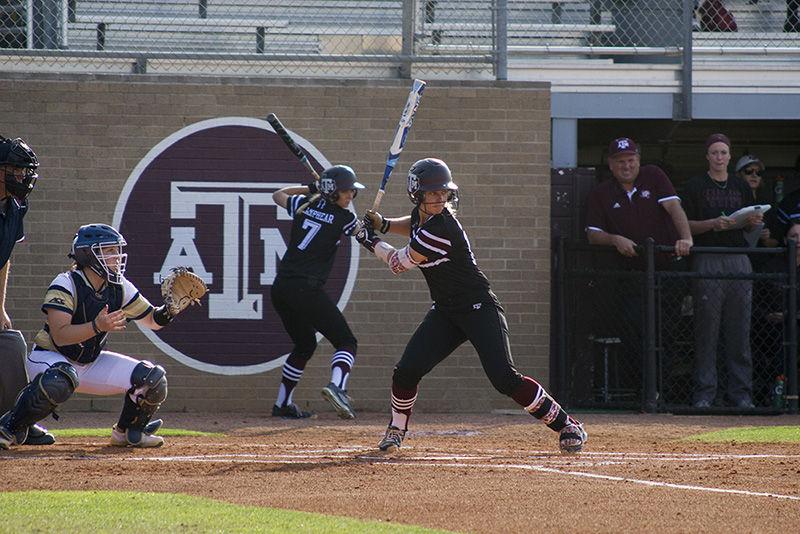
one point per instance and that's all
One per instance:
(454, 25)
(228, 26)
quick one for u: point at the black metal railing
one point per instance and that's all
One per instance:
(627, 330)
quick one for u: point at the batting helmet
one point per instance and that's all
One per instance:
(89, 249)
(17, 153)
(429, 174)
(338, 178)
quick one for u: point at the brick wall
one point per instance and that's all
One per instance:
(91, 131)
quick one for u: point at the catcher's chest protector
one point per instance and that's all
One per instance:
(12, 367)
(88, 304)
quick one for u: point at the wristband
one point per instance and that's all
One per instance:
(97, 331)
(162, 316)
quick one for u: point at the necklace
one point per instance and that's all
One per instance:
(720, 185)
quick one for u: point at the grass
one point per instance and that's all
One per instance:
(755, 434)
(125, 511)
(105, 432)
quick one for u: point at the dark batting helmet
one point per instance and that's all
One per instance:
(17, 153)
(429, 174)
(87, 251)
(338, 178)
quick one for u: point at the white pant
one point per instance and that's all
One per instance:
(109, 374)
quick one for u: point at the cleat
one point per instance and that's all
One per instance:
(134, 438)
(38, 435)
(339, 400)
(290, 411)
(392, 440)
(6, 439)
(571, 438)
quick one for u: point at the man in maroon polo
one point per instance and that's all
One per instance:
(640, 202)
(637, 203)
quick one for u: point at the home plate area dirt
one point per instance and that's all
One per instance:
(469, 473)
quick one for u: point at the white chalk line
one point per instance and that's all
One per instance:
(462, 461)
(440, 460)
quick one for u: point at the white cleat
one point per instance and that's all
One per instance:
(571, 438)
(134, 438)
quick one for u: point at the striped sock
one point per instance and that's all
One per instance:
(542, 406)
(402, 405)
(341, 365)
(291, 376)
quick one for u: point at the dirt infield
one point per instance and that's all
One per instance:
(473, 473)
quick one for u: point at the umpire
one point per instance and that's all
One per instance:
(18, 165)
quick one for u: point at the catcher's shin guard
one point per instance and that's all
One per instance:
(40, 398)
(148, 391)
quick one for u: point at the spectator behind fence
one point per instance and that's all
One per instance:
(786, 214)
(715, 17)
(750, 169)
(640, 202)
(708, 200)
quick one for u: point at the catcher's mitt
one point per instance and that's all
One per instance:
(181, 289)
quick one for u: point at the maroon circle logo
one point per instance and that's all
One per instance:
(202, 198)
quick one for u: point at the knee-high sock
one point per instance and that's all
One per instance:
(537, 402)
(402, 405)
(292, 373)
(341, 365)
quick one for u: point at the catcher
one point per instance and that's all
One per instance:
(83, 306)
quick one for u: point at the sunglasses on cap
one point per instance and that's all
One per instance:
(751, 172)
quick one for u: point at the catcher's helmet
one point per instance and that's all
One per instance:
(17, 153)
(338, 178)
(429, 174)
(87, 251)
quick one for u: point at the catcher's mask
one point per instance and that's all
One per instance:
(338, 178)
(430, 174)
(99, 247)
(16, 155)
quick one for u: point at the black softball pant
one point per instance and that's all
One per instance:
(306, 309)
(440, 333)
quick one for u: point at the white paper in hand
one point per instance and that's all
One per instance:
(741, 215)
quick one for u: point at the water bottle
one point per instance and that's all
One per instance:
(778, 188)
(777, 392)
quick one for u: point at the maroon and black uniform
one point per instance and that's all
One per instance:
(637, 215)
(464, 309)
(297, 292)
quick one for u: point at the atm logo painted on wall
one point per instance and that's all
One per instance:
(202, 198)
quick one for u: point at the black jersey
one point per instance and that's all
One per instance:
(451, 271)
(315, 237)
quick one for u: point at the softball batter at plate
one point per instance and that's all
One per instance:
(464, 306)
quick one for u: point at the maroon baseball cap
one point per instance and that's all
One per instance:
(622, 145)
(717, 138)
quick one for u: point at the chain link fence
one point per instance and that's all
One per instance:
(631, 335)
(374, 38)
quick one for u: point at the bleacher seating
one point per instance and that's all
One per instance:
(466, 24)
(230, 26)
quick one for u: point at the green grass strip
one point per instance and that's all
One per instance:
(125, 511)
(106, 432)
(752, 434)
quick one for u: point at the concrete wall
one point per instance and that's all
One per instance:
(91, 131)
